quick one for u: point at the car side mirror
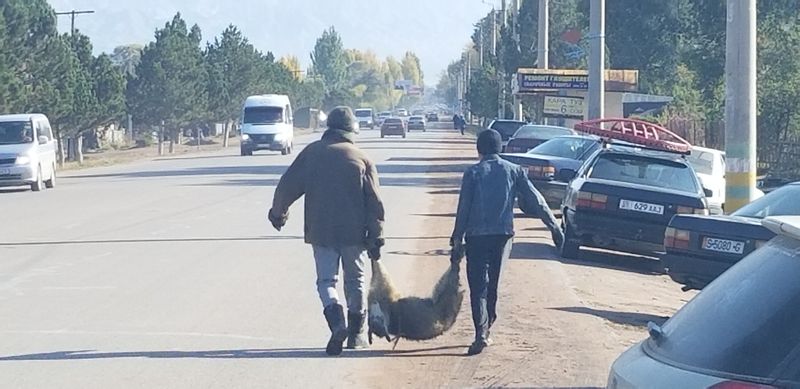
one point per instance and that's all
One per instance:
(566, 175)
(708, 192)
(43, 140)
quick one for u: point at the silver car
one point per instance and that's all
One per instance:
(741, 331)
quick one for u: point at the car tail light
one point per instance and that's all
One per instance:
(682, 210)
(739, 385)
(675, 238)
(592, 200)
(537, 171)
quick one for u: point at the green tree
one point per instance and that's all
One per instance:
(483, 91)
(171, 85)
(127, 58)
(329, 60)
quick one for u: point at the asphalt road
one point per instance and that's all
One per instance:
(165, 273)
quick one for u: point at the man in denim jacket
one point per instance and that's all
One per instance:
(486, 219)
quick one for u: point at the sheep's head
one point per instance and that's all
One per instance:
(378, 322)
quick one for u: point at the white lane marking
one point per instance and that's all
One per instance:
(78, 288)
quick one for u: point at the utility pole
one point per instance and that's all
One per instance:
(72, 14)
(597, 58)
(543, 54)
(494, 32)
(740, 103)
(501, 99)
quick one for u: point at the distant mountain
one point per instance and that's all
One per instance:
(436, 30)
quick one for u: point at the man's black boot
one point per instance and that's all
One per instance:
(334, 314)
(356, 330)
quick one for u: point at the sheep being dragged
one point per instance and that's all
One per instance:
(392, 315)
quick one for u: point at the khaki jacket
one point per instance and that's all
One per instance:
(340, 184)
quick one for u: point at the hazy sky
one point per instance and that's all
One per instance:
(436, 30)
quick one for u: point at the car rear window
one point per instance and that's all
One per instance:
(415, 118)
(393, 121)
(745, 322)
(702, 161)
(363, 113)
(568, 147)
(780, 202)
(506, 128)
(643, 170)
(541, 132)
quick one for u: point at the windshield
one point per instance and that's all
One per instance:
(702, 161)
(363, 113)
(506, 128)
(16, 133)
(567, 147)
(385, 114)
(541, 132)
(780, 202)
(416, 118)
(643, 170)
(263, 115)
(746, 322)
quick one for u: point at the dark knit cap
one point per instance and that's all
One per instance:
(489, 142)
(342, 118)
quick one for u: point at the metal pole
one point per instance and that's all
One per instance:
(494, 32)
(597, 30)
(481, 52)
(543, 54)
(740, 103)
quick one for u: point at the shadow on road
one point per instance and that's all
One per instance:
(284, 353)
(600, 259)
(433, 159)
(627, 318)
(189, 240)
(14, 190)
(446, 192)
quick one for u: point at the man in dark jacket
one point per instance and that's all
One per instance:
(343, 221)
(486, 219)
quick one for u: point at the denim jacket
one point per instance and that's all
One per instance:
(486, 200)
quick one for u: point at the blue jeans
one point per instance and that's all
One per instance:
(486, 255)
(352, 260)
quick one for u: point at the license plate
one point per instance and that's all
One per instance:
(723, 245)
(639, 206)
(5, 172)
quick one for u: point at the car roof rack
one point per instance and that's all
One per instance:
(636, 133)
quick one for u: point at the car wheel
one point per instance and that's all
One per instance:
(51, 183)
(383, 136)
(38, 185)
(571, 246)
(404, 135)
(285, 151)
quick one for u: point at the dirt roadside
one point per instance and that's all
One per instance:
(561, 323)
(116, 157)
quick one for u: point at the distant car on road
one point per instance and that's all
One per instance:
(432, 117)
(700, 248)
(532, 135)
(402, 112)
(382, 116)
(267, 124)
(365, 118)
(418, 112)
(740, 332)
(27, 152)
(416, 123)
(393, 126)
(545, 161)
(506, 128)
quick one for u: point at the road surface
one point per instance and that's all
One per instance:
(165, 273)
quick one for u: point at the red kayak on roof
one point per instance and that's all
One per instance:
(645, 134)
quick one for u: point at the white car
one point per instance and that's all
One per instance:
(739, 332)
(709, 164)
(27, 152)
